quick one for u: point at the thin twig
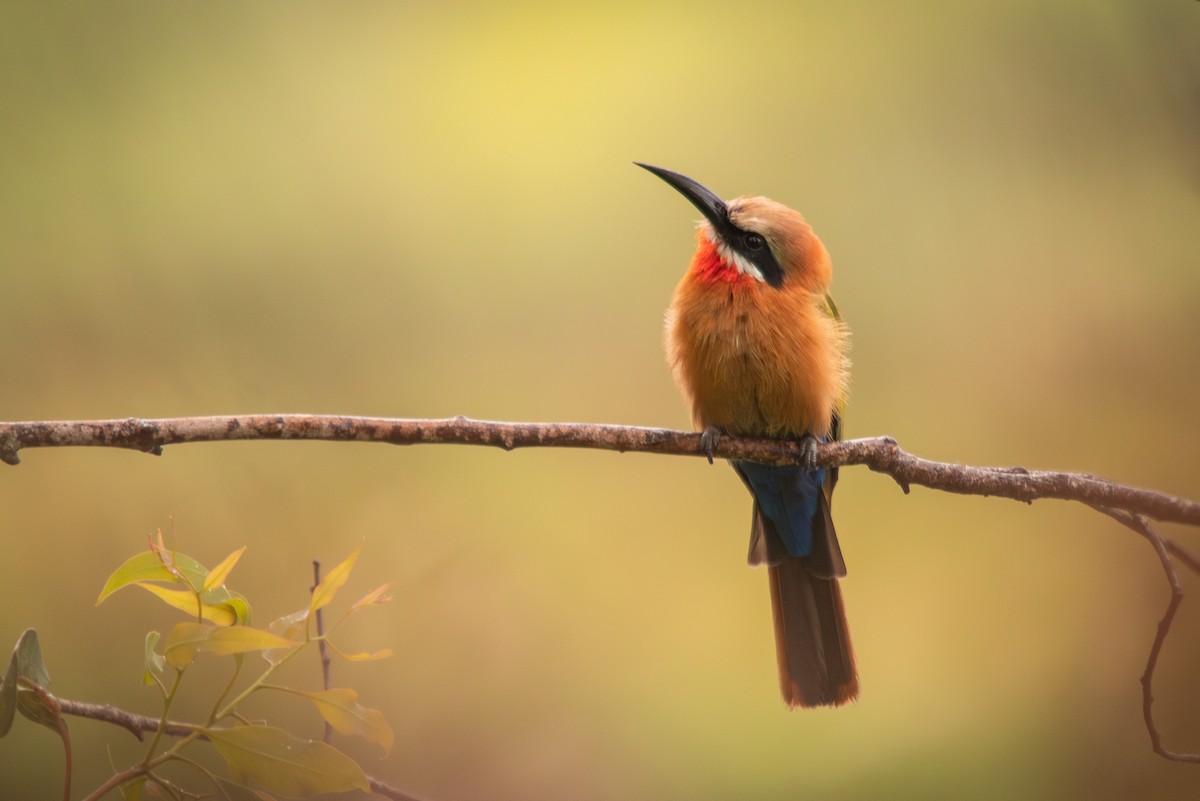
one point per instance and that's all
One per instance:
(322, 648)
(116, 780)
(881, 454)
(137, 725)
(1140, 525)
(50, 706)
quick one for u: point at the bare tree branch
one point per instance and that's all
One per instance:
(881, 454)
(137, 725)
(1140, 525)
(1131, 506)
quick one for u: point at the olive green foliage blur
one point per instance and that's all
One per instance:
(256, 754)
(410, 209)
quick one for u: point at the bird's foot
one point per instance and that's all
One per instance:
(708, 441)
(808, 452)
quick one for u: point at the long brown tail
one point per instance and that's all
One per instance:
(812, 638)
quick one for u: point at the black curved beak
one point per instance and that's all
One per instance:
(711, 206)
(716, 211)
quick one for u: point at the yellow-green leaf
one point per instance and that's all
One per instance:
(145, 566)
(332, 582)
(237, 606)
(341, 709)
(184, 641)
(188, 638)
(216, 577)
(28, 655)
(239, 639)
(31, 698)
(186, 601)
(285, 765)
(26, 663)
(154, 661)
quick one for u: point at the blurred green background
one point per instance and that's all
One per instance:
(412, 210)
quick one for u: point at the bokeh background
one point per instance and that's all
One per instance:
(419, 209)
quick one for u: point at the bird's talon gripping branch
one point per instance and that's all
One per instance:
(708, 441)
(808, 452)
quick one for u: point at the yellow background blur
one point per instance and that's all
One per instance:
(419, 209)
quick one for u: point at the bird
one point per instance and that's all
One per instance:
(756, 345)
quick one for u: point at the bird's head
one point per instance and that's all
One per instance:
(755, 237)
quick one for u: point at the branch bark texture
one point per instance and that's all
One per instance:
(880, 454)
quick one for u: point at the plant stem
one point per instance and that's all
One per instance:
(114, 781)
(168, 699)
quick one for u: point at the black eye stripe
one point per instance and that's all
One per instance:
(753, 247)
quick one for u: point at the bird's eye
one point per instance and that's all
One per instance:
(754, 242)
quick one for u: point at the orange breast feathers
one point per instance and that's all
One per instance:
(754, 359)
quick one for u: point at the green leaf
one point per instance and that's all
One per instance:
(238, 606)
(283, 764)
(239, 639)
(188, 638)
(179, 565)
(332, 582)
(235, 603)
(146, 566)
(153, 660)
(27, 665)
(28, 654)
(234, 607)
(183, 642)
(341, 709)
(216, 603)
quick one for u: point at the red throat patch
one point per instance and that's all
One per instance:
(709, 268)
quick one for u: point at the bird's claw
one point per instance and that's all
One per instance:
(808, 452)
(708, 441)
